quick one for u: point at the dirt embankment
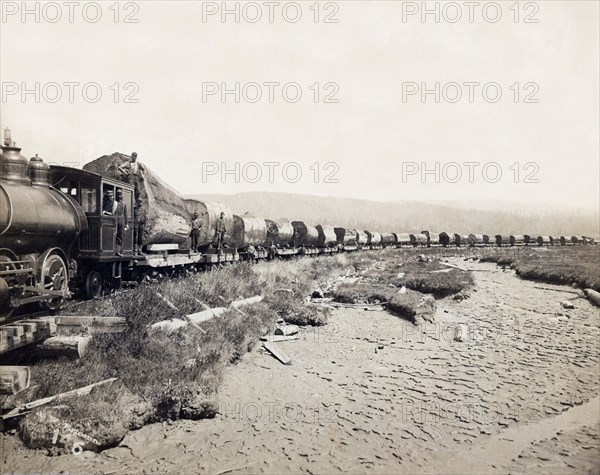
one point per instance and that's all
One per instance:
(372, 393)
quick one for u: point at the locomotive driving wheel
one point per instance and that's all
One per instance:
(6, 264)
(54, 277)
(93, 285)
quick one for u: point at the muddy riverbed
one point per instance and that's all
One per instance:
(372, 393)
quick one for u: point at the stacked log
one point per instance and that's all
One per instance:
(168, 217)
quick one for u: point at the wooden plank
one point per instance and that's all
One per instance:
(276, 338)
(14, 379)
(25, 408)
(453, 266)
(14, 330)
(162, 247)
(91, 325)
(277, 352)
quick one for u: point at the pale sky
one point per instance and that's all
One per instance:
(371, 134)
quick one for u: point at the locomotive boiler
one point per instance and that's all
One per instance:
(38, 227)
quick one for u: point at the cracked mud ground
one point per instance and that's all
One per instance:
(371, 393)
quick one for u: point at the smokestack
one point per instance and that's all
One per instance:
(7, 137)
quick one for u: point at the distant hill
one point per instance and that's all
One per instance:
(410, 216)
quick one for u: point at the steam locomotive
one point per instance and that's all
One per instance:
(55, 239)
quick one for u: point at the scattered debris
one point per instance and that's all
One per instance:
(282, 328)
(461, 296)
(25, 408)
(14, 379)
(276, 338)
(593, 296)
(568, 305)
(277, 352)
(453, 266)
(461, 332)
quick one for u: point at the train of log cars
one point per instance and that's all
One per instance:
(55, 240)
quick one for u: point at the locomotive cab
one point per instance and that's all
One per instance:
(101, 250)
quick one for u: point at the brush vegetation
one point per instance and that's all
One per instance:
(576, 265)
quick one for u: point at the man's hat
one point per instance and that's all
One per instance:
(134, 155)
(119, 192)
(109, 192)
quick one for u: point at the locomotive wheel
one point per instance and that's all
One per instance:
(54, 277)
(5, 309)
(93, 285)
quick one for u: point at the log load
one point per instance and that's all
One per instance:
(169, 220)
(249, 230)
(403, 239)
(388, 238)
(209, 213)
(307, 235)
(279, 231)
(373, 237)
(327, 236)
(345, 236)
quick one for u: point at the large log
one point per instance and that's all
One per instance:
(14, 379)
(209, 213)
(327, 235)
(249, 230)
(593, 296)
(279, 231)
(169, 220)
(306, 235)
(200, 317)
(64, 345)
